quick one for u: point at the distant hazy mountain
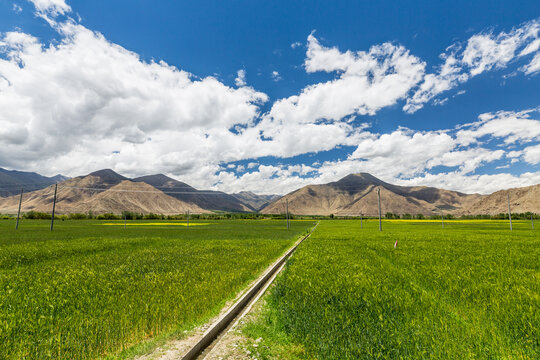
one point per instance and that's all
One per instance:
(206, 199)
(256, 202)
(11, 181)
(59, 178)
(356, 194)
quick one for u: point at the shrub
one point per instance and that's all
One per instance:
(108, 216)
(130, 215)
(36, 215)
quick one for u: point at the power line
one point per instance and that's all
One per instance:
(197, 192)
(194, 192)
(106, 186)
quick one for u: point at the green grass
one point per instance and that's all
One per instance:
(468, 291)
(88, 291)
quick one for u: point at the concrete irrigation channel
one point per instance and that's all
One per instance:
(241, 306)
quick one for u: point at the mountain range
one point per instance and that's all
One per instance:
(353, 195)
(107, 191)
(11, 181)
(207, 199)
(356, 194)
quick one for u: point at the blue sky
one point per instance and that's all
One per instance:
(270, 96)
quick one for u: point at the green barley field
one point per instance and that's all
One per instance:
(468, 291)
(93, 289)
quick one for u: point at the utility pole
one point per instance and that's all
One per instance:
(509, 212)
(361, 222)
(287, 210)
(125, 218)
(532, 221)
(379, 197)
(19, 212)
(54, 205)
(187, 217)
(442, 218)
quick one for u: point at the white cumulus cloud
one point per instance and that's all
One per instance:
(17, 8)
(83, 103)
(509, 125)
(296, 44)
(86, 97)
(53, 7)
(276, 76)
(481, 184)
(532, 67)
(240, 78)
(531, 154)
(366, 82)
(482, 52)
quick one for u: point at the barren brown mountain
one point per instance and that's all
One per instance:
(70, 194)
(356, 194)
(137, 197)
(525, 199)
(205, 199)
(99, 192)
